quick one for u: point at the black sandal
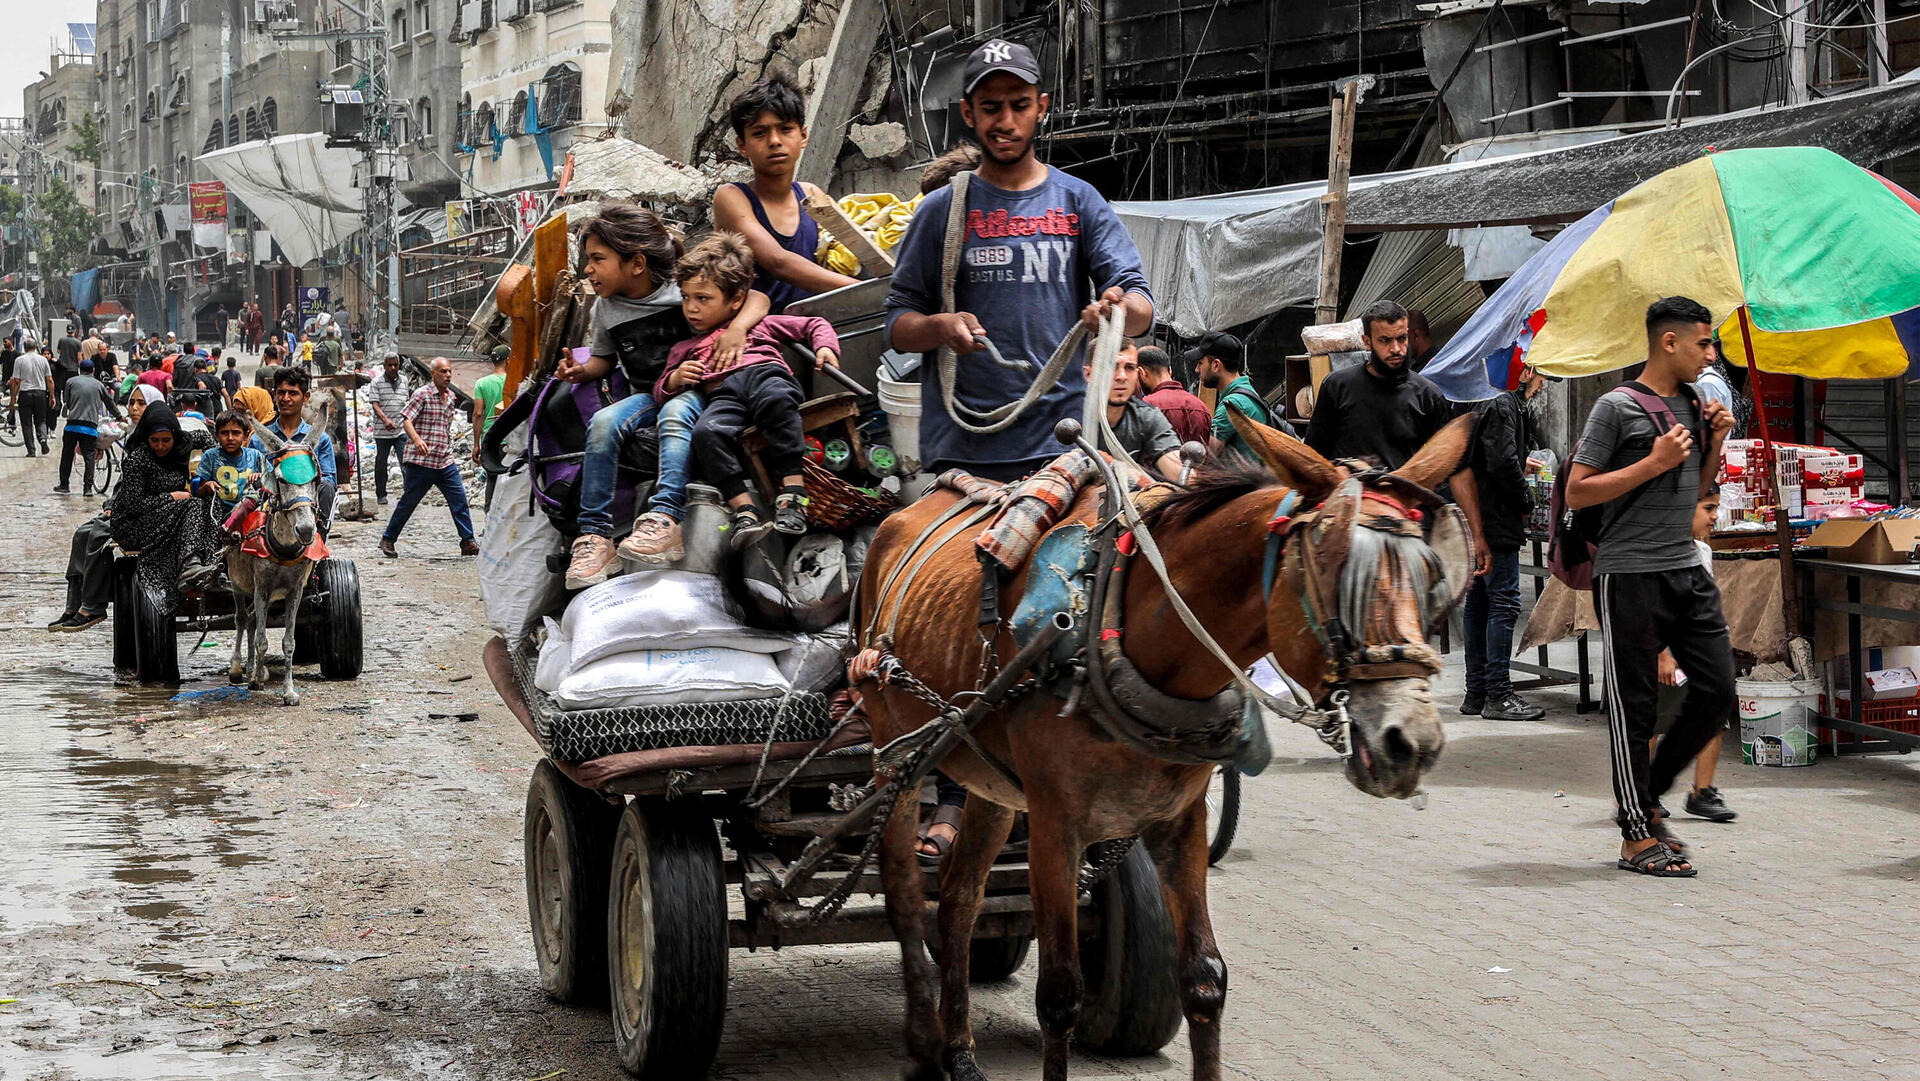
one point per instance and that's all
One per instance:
(747, 527)
(946, 814)
(790, 511)
(1657, 861)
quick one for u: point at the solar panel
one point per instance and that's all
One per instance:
(82, 37)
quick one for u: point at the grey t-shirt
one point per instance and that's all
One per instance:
(1145, 433)
(1655, 533)
(86, 401)
(33, 371)
(640, 350)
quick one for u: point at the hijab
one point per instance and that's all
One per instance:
(158, 417)
(149, 394)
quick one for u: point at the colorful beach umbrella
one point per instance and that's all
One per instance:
(1821, 256)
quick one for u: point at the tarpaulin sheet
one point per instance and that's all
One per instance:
(1221, 260)
(299, 187)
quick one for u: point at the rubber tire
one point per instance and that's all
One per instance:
(1223, 823)
(667, 905)
(156, 656)
(341, 646)
(567, 836)
(995, 960)
(1131, 1005)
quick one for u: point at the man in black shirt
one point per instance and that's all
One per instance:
(1502, 436)
(66, 360)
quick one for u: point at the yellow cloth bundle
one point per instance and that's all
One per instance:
(882, 216)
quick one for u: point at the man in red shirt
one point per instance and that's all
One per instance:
(1191, 419)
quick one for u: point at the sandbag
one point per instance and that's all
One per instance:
(516, 585)
(818, 663)
(659, 610)
(660, 676)
(556, 657)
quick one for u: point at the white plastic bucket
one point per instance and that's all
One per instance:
(901, 403)
(1776, 721)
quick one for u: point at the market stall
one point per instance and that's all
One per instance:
(1809, 264)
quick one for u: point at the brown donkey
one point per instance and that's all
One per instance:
(1078, 785)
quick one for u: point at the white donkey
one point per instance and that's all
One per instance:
(281, 559)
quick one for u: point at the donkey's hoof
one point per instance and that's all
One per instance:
(290, 699)
(236, 676)
(254, 685)
(961, 1067)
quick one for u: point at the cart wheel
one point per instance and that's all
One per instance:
(155, 655)
(569, 846)
(667, 940)
(339, 641)
(995, 960)
(1223, 812)
(1132, 1004)
(125, 637)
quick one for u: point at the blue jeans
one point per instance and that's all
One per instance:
(1493, 606)
(417, 479)
(609, 429)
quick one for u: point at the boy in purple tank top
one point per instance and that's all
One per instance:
(770, 121)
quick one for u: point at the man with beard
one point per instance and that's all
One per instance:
(1220, 363)
(1384, 412)
(1033, 237)
(1503, 433)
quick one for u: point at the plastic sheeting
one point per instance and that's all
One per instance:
(302, 189)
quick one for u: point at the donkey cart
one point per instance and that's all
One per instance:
(644, 869)
(328, 632)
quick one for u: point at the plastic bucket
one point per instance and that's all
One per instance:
(901, 403)
(1776, 721)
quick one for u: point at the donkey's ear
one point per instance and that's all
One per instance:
(272, 439)
(1441, 457)
(1297, 465)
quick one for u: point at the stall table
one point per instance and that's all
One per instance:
(1895, 579)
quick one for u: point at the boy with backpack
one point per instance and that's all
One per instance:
(1647, 455)
(770, 123)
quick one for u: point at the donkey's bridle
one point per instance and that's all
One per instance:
(271, 499)
(1351, 659)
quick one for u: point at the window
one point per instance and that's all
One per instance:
(517, 120)
(512, 10)
(422, 16)
(180, 169)
(560, 96)
(153, 106)
(343, 54)
(126, 118)
(177, 97)
(398, 25)
(483, 123)
(253, 124)
(463, 121)
(214, 138)
(233, 128)
(423, 118)
(270, 117)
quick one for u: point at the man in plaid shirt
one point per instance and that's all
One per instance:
(427, 460)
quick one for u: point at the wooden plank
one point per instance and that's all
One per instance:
(1339, 171)
(856, 37)
(515, 297)
(840, 227)
(549, 259)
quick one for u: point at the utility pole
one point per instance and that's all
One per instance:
(379, 155)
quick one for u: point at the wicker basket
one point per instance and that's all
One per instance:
(835, 505)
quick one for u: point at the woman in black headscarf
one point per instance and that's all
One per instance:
(153, 511)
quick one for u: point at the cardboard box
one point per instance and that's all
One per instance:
(1852, 540)
(1892, 683)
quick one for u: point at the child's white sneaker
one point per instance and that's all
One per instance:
(655, 539)
(592, 555)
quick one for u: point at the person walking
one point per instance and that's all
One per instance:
(1648, 466)
(66, 363)
(222, 324)
(487, 393)
(1502, 436)
(427, 460)
(389, 396)
(1188, 414)
(289, 325)
(1383, 411)
(87, 402)
(33, 395)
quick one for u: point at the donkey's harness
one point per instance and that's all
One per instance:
(271, 499)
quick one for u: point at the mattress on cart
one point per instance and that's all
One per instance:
(578, 735)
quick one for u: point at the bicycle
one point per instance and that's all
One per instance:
(106, 460)
(10, 433)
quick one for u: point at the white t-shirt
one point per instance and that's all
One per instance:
(1706, 556)
(33, 371)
